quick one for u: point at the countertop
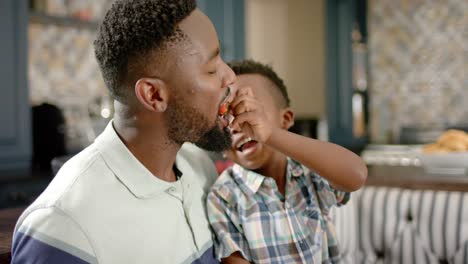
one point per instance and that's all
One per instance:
(412, 177)
(8, 219)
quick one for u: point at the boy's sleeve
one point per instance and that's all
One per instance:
(327, 195)
(48, 235)
(224, 221)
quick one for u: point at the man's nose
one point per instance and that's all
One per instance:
(229, 77)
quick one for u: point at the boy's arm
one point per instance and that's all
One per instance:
(342, 168)
(235, 258)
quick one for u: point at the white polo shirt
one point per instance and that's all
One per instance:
(104, 206)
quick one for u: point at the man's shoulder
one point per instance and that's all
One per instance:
(79, 168)
(47, 231)
(81, 162)
(74, 182)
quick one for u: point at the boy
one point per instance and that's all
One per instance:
(272, 206)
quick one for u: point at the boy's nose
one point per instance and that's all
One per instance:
(235, 129)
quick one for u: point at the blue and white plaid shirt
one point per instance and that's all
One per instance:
(248, 214)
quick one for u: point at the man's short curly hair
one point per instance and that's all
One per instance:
(254, 67)
(132, 30)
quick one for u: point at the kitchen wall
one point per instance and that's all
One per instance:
(62, 69)
(418, 64)
(289, 35)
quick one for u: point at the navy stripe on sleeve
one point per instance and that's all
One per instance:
(27, 249)
(207, 257)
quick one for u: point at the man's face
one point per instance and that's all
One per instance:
(198, 85)
(187, 124)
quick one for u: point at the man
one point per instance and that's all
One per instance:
(129, 197)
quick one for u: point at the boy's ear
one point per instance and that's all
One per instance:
(287, 115)
(152, 93)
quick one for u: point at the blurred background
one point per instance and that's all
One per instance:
(383, 78)
(360, 74)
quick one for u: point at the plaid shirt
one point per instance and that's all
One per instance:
(248, 214)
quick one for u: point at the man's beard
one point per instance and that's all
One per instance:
(215, 139)
(187, 124)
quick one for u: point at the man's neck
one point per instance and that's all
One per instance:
(150, 146)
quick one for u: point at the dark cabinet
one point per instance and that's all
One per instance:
(228, 19)
(347, 126)
(15, 124)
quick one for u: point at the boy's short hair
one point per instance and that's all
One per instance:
(130, 31)
(253, 67)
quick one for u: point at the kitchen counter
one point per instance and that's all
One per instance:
(413, 177)
(8, 219)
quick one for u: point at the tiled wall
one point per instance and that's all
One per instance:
(62, 66)
(418, 64)
(63, 71)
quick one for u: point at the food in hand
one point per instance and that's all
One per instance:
(450, 141)
(225, 113)
(224, 109)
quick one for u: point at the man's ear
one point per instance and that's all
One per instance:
(152, 93)
(287, 117)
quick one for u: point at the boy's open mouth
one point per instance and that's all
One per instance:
(246, 144)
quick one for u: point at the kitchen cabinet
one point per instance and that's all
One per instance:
(342, 16)
(15, 117)
(228, 19)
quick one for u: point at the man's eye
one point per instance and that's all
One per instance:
(212, 72)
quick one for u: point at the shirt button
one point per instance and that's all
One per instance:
(172, 189)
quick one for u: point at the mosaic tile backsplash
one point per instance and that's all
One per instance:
(418, 56)
(62, 66)
(63, 71)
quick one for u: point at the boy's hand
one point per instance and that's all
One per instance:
(249, 116)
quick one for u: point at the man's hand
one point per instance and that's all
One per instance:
(249, 116)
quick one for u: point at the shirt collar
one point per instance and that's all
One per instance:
(134, 175)
(295, 169)
(248, 179)
(253, 181)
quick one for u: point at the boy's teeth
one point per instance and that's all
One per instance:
(243, 142)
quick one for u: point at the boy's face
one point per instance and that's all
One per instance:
(255, 155)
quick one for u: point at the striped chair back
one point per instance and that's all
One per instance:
(393, 225)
